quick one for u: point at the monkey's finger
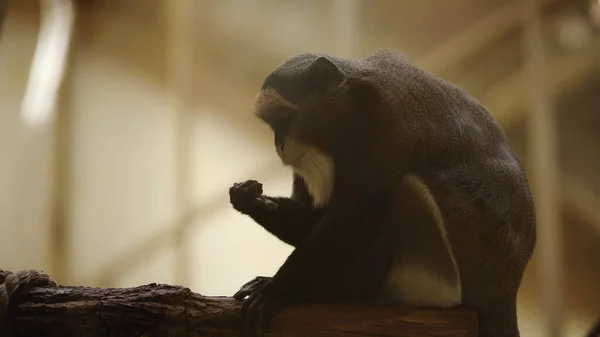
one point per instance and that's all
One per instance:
(241, 294)
(245, 182)
(244, 291)
(254, 282)
(248, 183)
(254, 188)
(243, 186)
(265, 203)
(238, 184)
(270, 205)
(251, 287)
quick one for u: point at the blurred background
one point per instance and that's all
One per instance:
(124, 122)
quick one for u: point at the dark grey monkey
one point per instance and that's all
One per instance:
(405, 192)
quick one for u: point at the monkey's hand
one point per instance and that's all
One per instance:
(260, 310)
(251, 287)
(246, 196)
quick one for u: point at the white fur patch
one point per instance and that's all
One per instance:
(315, 167)
(414, 285)
(418, 287)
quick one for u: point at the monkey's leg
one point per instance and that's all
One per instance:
(289, 220)
(292, 222)
(424, 272)
(251, 287)
(498, 320)
(493, 296)
(340, 261)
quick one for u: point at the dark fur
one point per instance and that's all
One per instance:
(380, 119)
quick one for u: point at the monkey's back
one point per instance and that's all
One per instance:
(466, 161)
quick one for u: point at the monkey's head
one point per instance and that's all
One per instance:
(310, 102)
(314, 106)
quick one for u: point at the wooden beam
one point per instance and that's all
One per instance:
(346, 15)
(480, 35)
(567, 71)
(544, 175)
(161, 310)
(180, 50)
(584, 201)
(62, 148)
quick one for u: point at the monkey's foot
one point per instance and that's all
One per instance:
(247, 195)
(260, 310)
(251, 287)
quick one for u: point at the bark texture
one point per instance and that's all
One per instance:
(167, 311)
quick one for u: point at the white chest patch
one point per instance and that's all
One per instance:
(314, 166)
(317, 172)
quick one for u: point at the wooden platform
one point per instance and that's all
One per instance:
(167, 311)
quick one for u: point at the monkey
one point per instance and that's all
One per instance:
(405, 192)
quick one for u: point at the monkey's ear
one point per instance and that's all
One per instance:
(323, 70)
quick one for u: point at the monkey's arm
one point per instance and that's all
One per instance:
(341, 261)
(291, 222)
(290, 219)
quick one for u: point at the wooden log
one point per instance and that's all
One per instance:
(167, 311)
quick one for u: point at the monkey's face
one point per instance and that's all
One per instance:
(294, 141)
(299, 101)
(291, 135)
(306, 102)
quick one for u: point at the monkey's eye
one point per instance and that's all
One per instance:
(279, 117)
(279, 142)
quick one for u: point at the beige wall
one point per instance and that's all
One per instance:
(123, 174)
(25, 155)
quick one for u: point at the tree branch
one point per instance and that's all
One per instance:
(168, 311)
